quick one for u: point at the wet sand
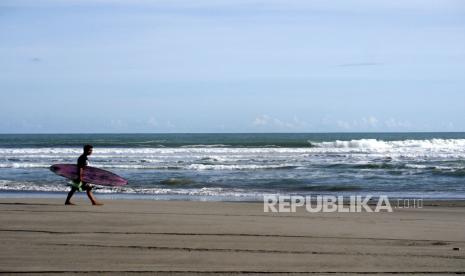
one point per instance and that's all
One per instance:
(220, 238)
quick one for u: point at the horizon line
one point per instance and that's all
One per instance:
(326, 132)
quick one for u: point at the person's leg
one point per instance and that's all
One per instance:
(91, 196)
(70, 194)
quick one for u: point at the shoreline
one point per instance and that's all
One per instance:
(5, 195)
(225, 238)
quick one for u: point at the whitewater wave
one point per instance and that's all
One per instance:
(380, 144)
(223, 149)
(7, 185)
(198, 167)
(371, 153)
(240, 167)
(24, 165)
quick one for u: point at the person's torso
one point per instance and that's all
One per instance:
(82, 161)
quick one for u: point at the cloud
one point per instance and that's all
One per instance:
(152, 122)
(117, 124)
(394, 123)
(35, 60)
(370, 122)
(170, 125)
(344, 125)
(261, 120)
(373, 123)
(266, 121)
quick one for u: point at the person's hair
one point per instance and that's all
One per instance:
(87, 148)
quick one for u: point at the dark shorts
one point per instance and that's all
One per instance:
(84, 186)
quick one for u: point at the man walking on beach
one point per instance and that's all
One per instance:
(78, 184)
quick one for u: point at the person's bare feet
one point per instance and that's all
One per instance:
(97, 203)
(69, 203)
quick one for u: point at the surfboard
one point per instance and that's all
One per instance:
(90, 175)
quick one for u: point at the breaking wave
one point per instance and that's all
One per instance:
(446, 144)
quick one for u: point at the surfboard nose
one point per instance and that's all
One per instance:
(56, 168)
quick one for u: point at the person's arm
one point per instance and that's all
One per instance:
(81, 174)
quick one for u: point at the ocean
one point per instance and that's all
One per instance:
(244, 167)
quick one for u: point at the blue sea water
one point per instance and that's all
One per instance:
(244, 166)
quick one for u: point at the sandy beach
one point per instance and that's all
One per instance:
(183, 238)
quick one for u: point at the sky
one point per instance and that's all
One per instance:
(112, 66)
